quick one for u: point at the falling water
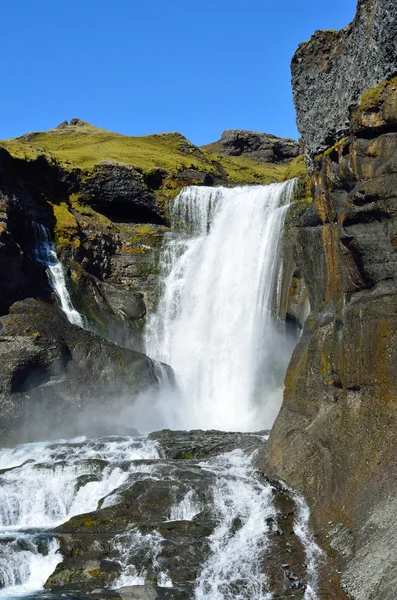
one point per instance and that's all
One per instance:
(216, 323)
(44, 254)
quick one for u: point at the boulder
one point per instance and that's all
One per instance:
(59, 380)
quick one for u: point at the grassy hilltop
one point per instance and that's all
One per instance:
(83, 146)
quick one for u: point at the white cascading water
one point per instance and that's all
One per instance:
(216, 323)
(44, 253)
(43, 485)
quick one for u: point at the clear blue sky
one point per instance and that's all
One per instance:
(140, 67)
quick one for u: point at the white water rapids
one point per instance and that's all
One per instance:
(216, 323)
(43, 485)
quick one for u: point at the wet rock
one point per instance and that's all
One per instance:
(198, 444)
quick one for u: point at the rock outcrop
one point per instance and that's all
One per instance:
(60, 380)
(333, 69)
(262, 147)
(335, 438)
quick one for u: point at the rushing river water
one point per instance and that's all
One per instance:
(191, 515)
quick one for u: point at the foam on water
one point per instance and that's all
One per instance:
(187, 509)
(132, 545)
(234, 571)
(23, 569)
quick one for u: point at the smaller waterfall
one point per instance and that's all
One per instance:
(44, 253)
(26, 562)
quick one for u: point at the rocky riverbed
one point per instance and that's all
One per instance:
(170, 515)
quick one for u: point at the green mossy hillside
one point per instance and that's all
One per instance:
(84, 146)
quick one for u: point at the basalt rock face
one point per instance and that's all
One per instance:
(335, 438)
(333, 69)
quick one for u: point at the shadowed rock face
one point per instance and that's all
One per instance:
(60, 380)
(335, 437)
(333, 69)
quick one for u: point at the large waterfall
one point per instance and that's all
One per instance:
(216, 323)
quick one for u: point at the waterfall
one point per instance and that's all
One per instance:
(216, 323)
(44, 253)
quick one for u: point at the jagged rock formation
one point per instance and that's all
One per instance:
(335, 438)
(333, 69)
(262, 147)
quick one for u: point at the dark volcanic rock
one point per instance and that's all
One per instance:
(120, 192)
(333, 69)
(262, 147)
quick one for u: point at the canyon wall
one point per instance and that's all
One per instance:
(336, 436)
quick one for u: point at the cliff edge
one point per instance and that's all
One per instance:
(333, 69)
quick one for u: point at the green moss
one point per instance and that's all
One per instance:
(328, 151)
(77, 203)
(296, 168)
(371, 98)
(66, 227)
(94, 572)
(243, 169)
(185, 455)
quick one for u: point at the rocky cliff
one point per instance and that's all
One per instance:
(335, 438)
(333, 69)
